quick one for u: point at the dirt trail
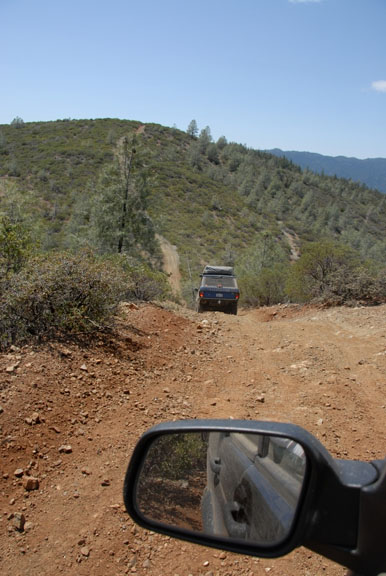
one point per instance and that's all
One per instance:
(171, 263)
(294, 243)
(70, 417)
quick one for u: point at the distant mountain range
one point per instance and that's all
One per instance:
(371, 171)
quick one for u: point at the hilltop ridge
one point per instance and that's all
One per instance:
(212, 200)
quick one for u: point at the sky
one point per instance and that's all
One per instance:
(292, 74)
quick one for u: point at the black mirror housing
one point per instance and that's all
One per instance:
(329, 507)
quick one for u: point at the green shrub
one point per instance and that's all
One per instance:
(146, 284)
(364, 285)
(186, 456)
(14, 247)
(59, 293)
(333, 273)
(265, 288)
(262, 273)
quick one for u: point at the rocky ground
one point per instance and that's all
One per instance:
(70, 415)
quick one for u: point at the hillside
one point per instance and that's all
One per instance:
(368, 171)
(212, 200)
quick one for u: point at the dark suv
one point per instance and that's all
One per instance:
(254, 482)
(218, 290)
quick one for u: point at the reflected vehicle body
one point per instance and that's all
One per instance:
(254, 485)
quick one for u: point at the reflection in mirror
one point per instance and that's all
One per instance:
(226, 484)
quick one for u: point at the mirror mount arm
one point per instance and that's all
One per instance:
(372, 522)
(363, 508)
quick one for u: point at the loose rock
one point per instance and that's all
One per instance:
(30, 483)
(65, 449)
(18, 521)
(35, 418)
(11, 369)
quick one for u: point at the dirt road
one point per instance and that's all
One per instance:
(171, 263)
(70, 416)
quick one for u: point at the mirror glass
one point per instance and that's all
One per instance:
(226, 484)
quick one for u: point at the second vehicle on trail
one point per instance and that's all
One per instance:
(218, 290)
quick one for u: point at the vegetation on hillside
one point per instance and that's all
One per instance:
(56, 293)
(335, 273)
(326, 272)
(109, 186)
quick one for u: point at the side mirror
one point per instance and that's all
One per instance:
(217, 484)
(258, 488)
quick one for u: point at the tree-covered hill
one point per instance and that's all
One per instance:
(369, 171)
(215, 201)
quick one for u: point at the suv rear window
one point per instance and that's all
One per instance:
(223, 282)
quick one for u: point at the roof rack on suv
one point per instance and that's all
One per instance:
(218, 271)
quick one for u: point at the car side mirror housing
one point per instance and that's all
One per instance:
(257, 488)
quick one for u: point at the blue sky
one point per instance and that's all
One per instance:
(292, 74)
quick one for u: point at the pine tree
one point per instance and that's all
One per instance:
(119, 217)
(192, 129)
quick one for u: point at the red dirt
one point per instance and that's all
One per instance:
(321, 369)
